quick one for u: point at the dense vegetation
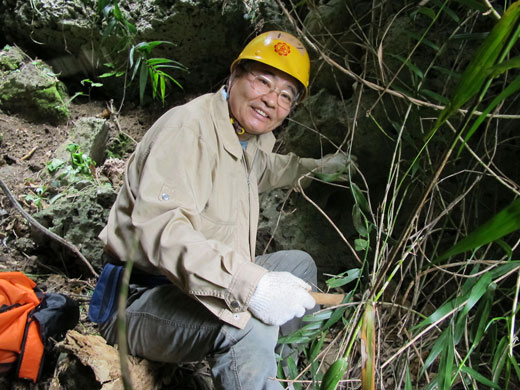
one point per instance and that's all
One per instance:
(432, 297)
(435, 302)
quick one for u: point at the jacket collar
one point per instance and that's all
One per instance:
(220, 114)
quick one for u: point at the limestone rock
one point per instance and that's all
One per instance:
(79, 218)
(32, 90)
(91, 134)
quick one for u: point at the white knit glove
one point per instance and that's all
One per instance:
(332, 163)
(279, 297)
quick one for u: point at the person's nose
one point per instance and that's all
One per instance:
(270, 98)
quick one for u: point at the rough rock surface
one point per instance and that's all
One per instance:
(91, 134)
(206, 34)
(31, 89)
(79, 219)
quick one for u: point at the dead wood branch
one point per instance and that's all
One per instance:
(34, 223)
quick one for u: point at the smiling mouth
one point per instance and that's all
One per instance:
(261, 112)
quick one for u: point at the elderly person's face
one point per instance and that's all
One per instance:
(261, 98)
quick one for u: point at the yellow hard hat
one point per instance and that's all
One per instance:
(280, 50)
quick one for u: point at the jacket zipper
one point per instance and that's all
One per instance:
(248, 174)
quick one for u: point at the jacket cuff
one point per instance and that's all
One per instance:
(243, 286)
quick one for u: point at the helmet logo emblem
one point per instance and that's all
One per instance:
(282, 48)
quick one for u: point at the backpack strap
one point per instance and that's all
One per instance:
(30, 361)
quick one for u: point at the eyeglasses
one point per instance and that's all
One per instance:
(264, 85)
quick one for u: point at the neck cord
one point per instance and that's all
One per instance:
(238, 129)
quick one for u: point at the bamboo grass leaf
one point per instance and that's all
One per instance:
(410, 65)
(438, 314)
(478, 290)
(435, 351)
(316, 346)
(482, 315)
(408, 379)
(503, 223)
(504, 269)
(476, 72)
(427, 12)
(425, 41)
(480, 378)
(446, 362)
(503, 95)
(514, 363)
(497, 70)
(499, 358)
(319, 316)
(341, 280)
(435, 96)
(368, 348)
(334, 374)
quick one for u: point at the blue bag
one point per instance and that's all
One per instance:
(103, 303)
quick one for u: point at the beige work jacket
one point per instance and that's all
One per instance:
(188, 208)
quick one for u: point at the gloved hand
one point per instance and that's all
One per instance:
(333, 167)
(279, 297)
(332, 163)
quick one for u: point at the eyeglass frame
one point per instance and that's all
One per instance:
(275, 89)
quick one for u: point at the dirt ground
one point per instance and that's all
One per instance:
(25, 148)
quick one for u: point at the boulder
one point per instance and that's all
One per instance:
(91, 134)
(31, 90)
(79, 219)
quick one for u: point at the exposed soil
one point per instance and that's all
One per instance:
(24, 150)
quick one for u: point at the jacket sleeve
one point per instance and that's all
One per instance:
(278, 170)
(171, 186)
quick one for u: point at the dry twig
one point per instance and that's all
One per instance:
(34, 223)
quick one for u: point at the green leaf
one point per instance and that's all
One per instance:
(514, 363)
(360, 244)
(316, 346)
(478, 290)
(498, 69)
(359, 221)
(503, 223)
(446, 362)
(476, 73)
(341, 279)
(503, 95)
(143, 78)
(435, 351)
(55, 164)
(423, 40)
(322, 315)
(408, 379)
(499, 358)
(334, 374)
(410, 65)
(479, 325)
(360, 198)
(480, 378)
(427, 12)
(435, 96)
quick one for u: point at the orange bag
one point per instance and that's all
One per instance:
(28, 318)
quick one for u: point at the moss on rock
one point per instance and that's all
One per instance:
(34, 92)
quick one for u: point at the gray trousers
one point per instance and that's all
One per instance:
(165, 325)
